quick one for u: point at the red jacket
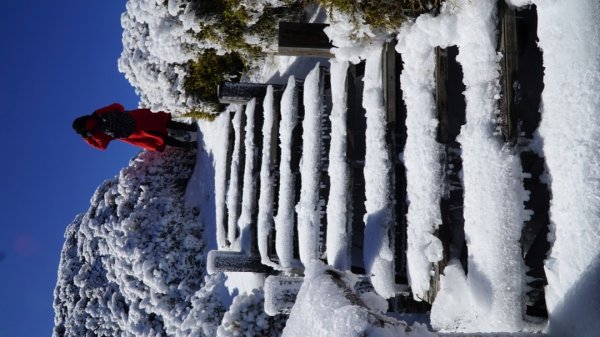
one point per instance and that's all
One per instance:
(150, 129)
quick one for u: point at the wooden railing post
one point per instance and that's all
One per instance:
(303, 39)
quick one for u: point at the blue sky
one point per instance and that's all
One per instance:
(58, 61)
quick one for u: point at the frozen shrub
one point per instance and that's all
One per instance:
(134, 263)
(246, 317)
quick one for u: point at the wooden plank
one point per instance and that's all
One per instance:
(509, 68)
(258, 144)
(324, 182)
(390, 80)
(534, 237)
(303, 39)
(229, 261)
(451, 110)
(296, 155)
(356, 148)
(275, 155)
(230, 142)
(243, 92)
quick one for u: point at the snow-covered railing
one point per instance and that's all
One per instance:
(269, 177)
(246, 222)
(233, 190)
(401, 190)
(285, 218)
(310, 207)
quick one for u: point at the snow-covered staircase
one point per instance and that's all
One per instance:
(360, 166)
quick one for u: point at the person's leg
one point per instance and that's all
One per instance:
(170, 141)
(181, 126)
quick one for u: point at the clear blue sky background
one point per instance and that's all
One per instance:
(58, 60)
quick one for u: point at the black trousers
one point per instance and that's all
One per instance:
(181, 126)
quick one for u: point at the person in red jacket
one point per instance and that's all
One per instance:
(141, 127)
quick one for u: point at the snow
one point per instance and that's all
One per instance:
(201, 189)
(284, 221)
(310, 169)
(219, 130)
(326, 307)
(569, 37)
(353, 40)
(338, 252)
(246, 317)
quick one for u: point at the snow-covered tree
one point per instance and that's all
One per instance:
(167, 43)
(207, 309)
(247, 317)
(134, 263)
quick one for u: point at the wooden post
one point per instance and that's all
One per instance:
(451, 115)
(303, 39)
(356, 148)
(231, 261)
(230, 143)
(242, 93)
(389, 81)
(280, 293)
(509, 66)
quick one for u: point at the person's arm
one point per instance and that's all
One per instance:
(98, 140)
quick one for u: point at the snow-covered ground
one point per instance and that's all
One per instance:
(570, 38)
(117, 249)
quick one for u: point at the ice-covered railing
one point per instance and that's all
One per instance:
(308, 208)
(378, 253)
(233, 192)
(284, 220)
(248, 209)
(492, 171)
(339, 236)
(265, 222)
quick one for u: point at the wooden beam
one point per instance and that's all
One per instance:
(230, 261)
(303, 39)
(510, 66)
(242, 92)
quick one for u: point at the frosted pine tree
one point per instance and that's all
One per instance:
(246, 317)
(134, 263)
